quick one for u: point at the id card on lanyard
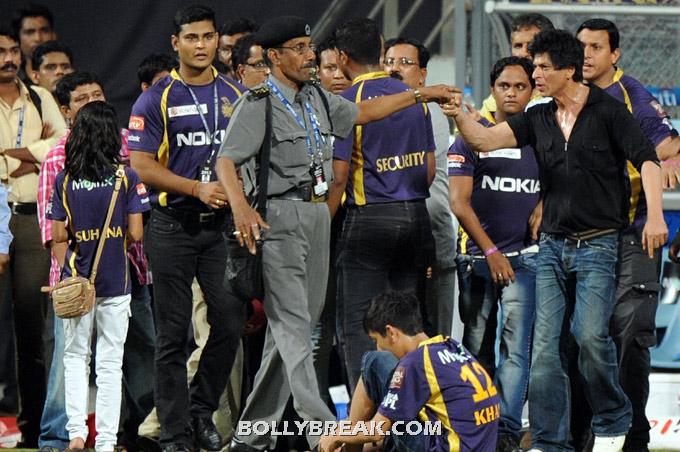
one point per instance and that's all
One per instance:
(316, 171)
(205, 173)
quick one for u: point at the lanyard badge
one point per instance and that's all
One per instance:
(316, 170)
(205, 173)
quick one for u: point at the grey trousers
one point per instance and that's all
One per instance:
(295, 263)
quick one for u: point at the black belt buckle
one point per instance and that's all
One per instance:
(18, 208)
(206, 217)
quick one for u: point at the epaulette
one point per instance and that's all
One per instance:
(259, 92)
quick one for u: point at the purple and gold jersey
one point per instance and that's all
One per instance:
(506, 189)
(655, 124)
(441, 381)
(165, 121)
(388, 158)
(85, 205)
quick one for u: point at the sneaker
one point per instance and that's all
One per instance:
(609, 443)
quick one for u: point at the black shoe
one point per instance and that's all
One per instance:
(148, 444)
(175, 447)
(507, 443)
(206, 434)
(238, 446)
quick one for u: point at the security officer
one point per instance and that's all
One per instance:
(296, 249)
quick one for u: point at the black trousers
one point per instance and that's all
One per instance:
(28, 271)
(179, 251)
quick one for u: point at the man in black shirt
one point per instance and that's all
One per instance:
(582, 139)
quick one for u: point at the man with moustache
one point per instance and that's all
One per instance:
(26, 135)
(175, 128)
(296, 239)
(51, 61)
(633, 323)
(248, 63)
(406, 59)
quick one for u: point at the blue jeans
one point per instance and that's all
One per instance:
(479, 298)
(582, 273)
(376, 372)
(137, 367)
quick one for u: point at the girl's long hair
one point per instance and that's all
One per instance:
(93, 147)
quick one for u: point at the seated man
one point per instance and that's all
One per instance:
(434, 379)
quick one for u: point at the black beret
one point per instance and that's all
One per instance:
(281, 29)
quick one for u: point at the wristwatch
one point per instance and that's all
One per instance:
(416, 94)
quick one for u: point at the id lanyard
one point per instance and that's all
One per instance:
(204, 120)
(20, 129)
(315, 124)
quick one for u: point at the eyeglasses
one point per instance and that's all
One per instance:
(300, 49)
(260, 66)
(394, 62)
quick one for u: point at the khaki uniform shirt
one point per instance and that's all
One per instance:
(25, 188)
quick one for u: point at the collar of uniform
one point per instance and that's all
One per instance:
(617, 75)
(175, 73)
(489, 117)
(432, 340)
(288, 92)
(370, 76)
(24, 96)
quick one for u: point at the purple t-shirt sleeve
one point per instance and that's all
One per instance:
(653, 120)
(342, 147)
(431, 146)
(146, 123)
(55, 208)
(137, 196)
(408, 391)
(460, 159)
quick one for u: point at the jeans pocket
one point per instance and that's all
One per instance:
(464, 265)
(161, 226)
(606, 244)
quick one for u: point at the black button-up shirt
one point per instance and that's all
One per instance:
(583, 180)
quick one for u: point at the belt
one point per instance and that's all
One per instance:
(190, 216)
(589, 234)
(304, 194)
(527, 250)
(23, 208)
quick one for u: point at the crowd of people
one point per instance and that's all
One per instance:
(556, 183)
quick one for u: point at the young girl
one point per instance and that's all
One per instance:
(80, 201)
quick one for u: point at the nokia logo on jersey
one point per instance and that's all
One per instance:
(199, 138)
(511, 185)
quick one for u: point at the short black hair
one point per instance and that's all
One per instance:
(191, 14)
(530, 20)
(501, 64)
(8, 33)
(423, 52)
(238, 25)
(564, 49)
(400, 309)
(70, 82)
(606, 25)
(241, 51)
(360, 39)
(326, 44)
(49, 47)
(153, 64)
(30, 10)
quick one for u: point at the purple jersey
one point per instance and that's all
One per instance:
(165, 121)
(85, 205)
(505, 191)
(441, 381)
(655, 124)
(388, 158)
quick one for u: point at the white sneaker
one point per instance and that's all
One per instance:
(609, 443)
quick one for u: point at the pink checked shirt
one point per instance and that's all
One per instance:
(52, 165)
